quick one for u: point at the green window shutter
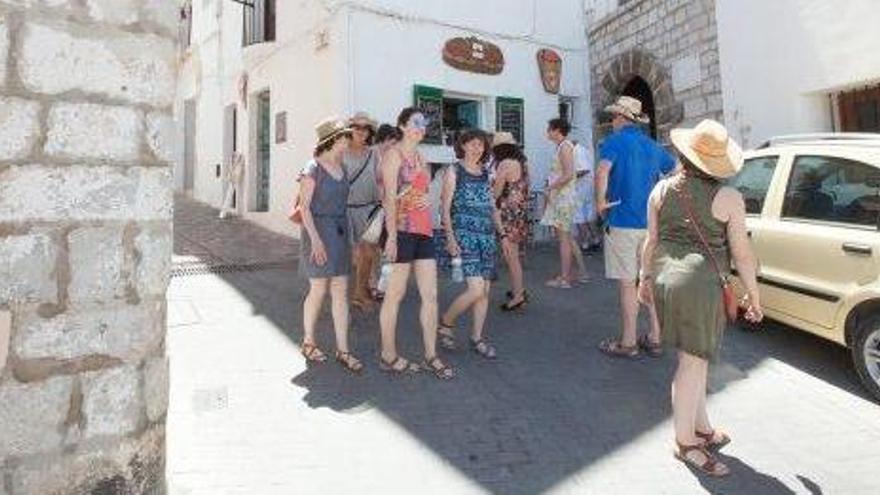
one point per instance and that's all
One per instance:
(510, 117)
(430, 101)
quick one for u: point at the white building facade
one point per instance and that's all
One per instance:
(337, 57)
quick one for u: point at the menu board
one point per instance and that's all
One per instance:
(430, 101)
(509, 117)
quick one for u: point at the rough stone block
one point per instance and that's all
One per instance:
(96, 259)
(4, 49)
(93, 131)
(160, 136)
(26, 272)
(33, 192)
(124, 466)
(154, 248)
(135, 68)
(163, 13)
(19, 127)
(32, 416)
(115, 11)
(156, 387)
(125, 332)
(112, 401)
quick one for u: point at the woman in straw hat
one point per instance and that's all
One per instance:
(361, 161)
(695, 226)
(511, 191)
(323, 193)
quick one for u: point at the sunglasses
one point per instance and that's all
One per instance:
(360, 127)
(419, 121)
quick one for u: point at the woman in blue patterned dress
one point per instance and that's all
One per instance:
(470, 222)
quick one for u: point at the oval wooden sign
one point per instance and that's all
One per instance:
(474, 55)
(550, 65)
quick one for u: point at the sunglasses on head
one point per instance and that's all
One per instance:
(419, 121)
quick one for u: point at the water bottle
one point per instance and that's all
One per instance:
(457, 273)
(382, 285)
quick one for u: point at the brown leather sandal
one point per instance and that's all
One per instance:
(710, 467)
(614, 348)
(653, 349)
(440, 369)
(349, 362)
(715, 440)
(399, 366)
(312, 353)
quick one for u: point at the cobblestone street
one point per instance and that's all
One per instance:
(552, 415)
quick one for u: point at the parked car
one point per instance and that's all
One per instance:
(813, 205)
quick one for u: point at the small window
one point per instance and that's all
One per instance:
(258, 19)
(753, 181)
(832, 189)
(185, 26)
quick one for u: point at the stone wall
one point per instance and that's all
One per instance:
(673, 46)
(86, 140)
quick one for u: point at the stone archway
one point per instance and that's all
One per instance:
(622, 77)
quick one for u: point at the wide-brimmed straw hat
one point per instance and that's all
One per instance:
(363, 118)
(709, 147)
(329, 128)
(630, 108)
(503, 137)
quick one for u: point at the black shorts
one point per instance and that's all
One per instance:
(413, 247)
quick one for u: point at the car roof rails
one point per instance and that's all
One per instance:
(824, 137)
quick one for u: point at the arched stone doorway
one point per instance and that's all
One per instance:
(639, 89)
(638, 73)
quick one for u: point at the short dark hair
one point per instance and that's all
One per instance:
(559, 124)
(693, 170)
(386, 132)
(508, 151)
(406, 114)
(328, 144)
(469, 135)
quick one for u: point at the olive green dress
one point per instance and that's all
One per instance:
(686, 286)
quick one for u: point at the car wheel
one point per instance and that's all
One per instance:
(866, 354)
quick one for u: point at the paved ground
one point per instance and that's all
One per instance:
(550, 416)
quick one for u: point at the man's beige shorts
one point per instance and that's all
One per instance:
(623, 248)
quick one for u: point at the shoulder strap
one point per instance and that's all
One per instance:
(363, 167)
(685, 200)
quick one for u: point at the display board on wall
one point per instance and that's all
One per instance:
(510, 117)
(430, 101)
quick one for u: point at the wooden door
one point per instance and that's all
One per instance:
(860, 110)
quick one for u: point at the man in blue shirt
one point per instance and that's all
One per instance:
(630, 164)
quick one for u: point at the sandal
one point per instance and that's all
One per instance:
(376, 294)
(614, 348)
(714, 439)
(507, 306)
(446, 336)
(558, 283)
(509, 295)
(710, 467)
(312, 353)
(484, 348)
(349, 362)
(654, 349)
(399, 366)
(440, 369)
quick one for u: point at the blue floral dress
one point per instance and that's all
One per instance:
(472, 222)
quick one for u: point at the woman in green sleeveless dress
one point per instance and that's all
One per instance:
(695, 226)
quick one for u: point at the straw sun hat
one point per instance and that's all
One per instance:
(363, 118)
(709, 147)
(329, 128)
(503, 138)
(630, 108)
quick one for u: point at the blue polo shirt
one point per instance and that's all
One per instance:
(637, 164)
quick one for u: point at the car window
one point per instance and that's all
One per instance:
(833, 189)
(753, 181)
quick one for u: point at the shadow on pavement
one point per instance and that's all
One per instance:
(548, 407)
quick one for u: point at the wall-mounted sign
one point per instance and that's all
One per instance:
(474, 55)
(430, 101)
(509, 117)
(550, 65)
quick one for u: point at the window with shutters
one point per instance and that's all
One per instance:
(258, 19)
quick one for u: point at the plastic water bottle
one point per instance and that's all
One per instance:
(457, 273)
(382, 285)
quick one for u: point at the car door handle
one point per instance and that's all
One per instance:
(849, 247)
(749, 234)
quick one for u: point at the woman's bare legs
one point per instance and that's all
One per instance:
(339, 297)
(390, 307)
(426, 280)
(312, 307)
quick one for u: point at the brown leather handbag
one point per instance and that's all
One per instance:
(728, 295)
(295, 213)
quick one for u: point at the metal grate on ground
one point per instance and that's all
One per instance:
(215, 269)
